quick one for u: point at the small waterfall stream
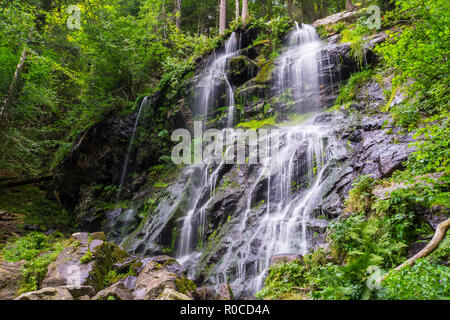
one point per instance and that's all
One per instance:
(143, 108)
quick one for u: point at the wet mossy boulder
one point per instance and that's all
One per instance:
(240, 69)
(85, 262)
(264, 76)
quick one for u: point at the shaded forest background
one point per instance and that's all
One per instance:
(56, 81)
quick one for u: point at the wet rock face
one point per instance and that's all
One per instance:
(378, 155)
(96, 158)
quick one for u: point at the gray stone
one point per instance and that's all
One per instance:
(47, 294)
(10, 275)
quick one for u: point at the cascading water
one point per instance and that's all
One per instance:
(211, 80)
(298, 70)
(291, 176)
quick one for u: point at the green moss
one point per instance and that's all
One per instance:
(118, 254)
(185, 286)
(88, 257)
(258, 124)
(265, 74)
(102, 265)
(350, 90)
(36, 209)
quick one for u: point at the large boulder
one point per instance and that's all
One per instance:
(378, 155)
(96, 158)
(85, 262)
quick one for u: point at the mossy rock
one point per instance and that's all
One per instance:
(240, 70)
(85, 262)
(118, 254)
(265, 74)
(185, 286)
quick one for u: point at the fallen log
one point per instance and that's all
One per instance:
(26, 182)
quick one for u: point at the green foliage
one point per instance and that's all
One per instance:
(432, 152)
(38, 250)
(281, 279)
(419, 51)
(360, 197)
(349, 91)
(406, 115)
(427, 279)
(271, 33)
(258, 124)
(88, 257)
(36, 208)
(355, 36)
(114, 276)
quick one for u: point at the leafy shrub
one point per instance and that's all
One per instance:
(432, 154)
(420, 51)
(349, 91)
(281, 279)
(38, 250)
(427, 279)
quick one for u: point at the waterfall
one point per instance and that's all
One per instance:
(289, 179)
(298, 69)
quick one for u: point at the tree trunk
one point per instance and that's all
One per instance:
(222, 16)
(178, 4)
(324, 9)
(237, 10)
(12, 86)
(290, 8)
(244, 11)
(308, 10)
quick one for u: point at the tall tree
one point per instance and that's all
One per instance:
(244, 11)
(178, 4)
(290, 8)
(237, 10)
(222, 16)
(12, 86)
